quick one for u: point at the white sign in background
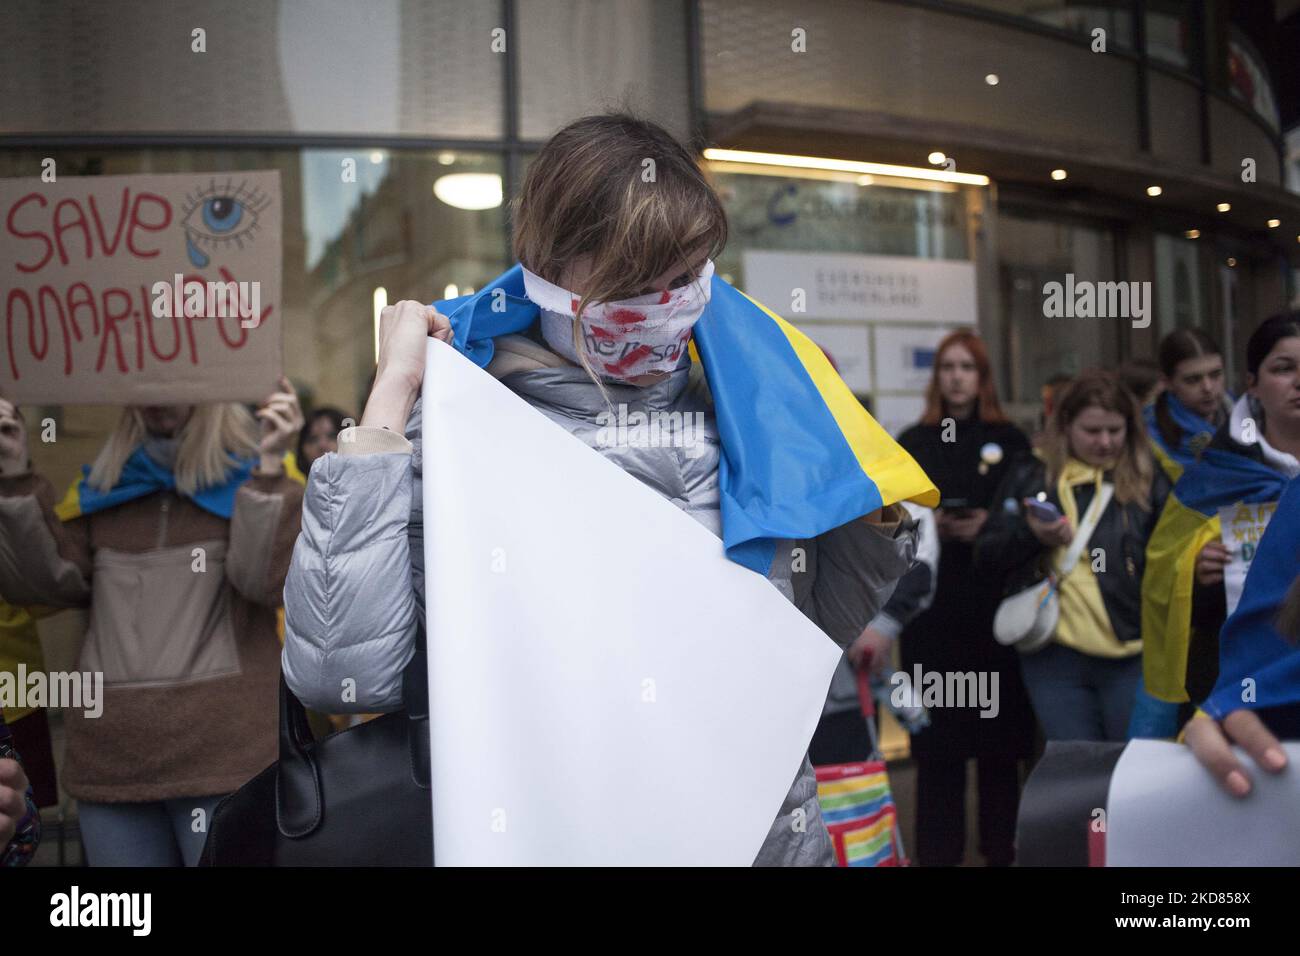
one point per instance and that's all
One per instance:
(1242, 526)
(605, 687)
(849, 347)
(840, 285)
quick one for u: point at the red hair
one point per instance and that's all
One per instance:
(989, 409)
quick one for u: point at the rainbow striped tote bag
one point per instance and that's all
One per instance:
(857, 804)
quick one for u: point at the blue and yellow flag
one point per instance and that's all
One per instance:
(1190, 521)
(1258, 667)
(1195, 435)
(800, 455)
(142, 476)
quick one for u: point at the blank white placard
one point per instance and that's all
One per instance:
(606, 687)
(1164, 809)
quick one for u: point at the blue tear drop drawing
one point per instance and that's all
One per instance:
(196, 256)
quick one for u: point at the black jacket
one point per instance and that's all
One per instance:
(1007, 548)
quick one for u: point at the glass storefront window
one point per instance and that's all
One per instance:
(341, 242)
(800, 214)
(1033, 252)
(1076, 18)
(1180, 298)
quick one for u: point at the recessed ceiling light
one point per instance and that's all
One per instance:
(1192, 234)
(1223, 206)
(1274, 223)
(937, 158)
(1059, 174)
(469, 190)
(991, 79)
(1154, 190)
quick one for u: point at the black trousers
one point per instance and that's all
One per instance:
(941, 809)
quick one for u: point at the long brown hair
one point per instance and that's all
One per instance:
(989, 409)
(623, 191)
(1099, 388)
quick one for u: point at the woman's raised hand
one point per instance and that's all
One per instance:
(13, 440)
(281, 418)
(403, 331)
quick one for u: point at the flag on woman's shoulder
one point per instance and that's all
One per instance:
(800, 455)
(1189, 522)
(1258, 666)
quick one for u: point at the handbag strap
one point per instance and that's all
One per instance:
(1096, 508)
(299, 802)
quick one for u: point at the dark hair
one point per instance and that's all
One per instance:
(988, 408)
(1139, 376)
(1181, 345)
(1271, 331)
(325, 411)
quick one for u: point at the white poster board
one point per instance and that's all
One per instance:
(905, 356)
(605, 687)
(1242, 526)
(1165, 809)
(148, 289)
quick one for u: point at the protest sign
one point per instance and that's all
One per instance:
(151, 289)
(1243, 525)
(599, 671)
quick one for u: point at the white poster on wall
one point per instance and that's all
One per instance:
(905, 356)
(896, 412)
(838, 285)
(849, 348)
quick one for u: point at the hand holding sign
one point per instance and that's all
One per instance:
(404, 331)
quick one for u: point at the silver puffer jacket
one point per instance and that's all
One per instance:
(349, 614)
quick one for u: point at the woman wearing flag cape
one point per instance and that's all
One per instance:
(613, 297)
(1245, 466)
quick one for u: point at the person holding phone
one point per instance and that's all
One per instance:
(1084, 681)
(965, 444)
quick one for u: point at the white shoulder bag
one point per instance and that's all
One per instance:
(1027, 619)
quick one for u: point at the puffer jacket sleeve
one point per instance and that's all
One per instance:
(353, 598)
(858, 565)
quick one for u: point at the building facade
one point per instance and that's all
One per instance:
(892, 169)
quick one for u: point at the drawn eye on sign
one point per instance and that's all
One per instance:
(218, 215)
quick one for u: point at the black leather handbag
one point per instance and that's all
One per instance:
(359, 797)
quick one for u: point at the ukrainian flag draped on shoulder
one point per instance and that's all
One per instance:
(1250, 648)
(1190, 521)
(1195, 433)
(800, 455)
(142, 476)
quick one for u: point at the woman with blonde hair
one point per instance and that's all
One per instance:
(176, 540)
(617, 279)
(1084, 681)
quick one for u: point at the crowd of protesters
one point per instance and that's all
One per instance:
(1115, 501)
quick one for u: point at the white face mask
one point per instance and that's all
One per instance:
(628, 338)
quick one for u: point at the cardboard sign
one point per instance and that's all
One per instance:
(1242, 527)
(139, 290)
